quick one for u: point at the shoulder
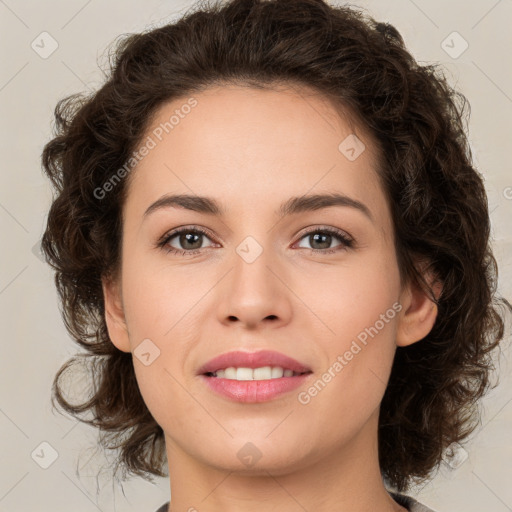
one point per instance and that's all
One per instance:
(406, 501)
(409, 503)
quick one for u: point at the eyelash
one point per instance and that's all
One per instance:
(346, 242)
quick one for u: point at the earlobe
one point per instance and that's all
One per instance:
(114, 315)
(418, 315)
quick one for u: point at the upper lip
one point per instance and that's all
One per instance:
(239, 359)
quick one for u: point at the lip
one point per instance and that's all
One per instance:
(240, 359)
(254, 391)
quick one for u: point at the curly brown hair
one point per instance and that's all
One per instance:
(437, 199)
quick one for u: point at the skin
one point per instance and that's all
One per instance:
(251, 150)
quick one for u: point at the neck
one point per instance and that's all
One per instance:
(345, 480)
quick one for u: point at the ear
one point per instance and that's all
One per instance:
(114, 314)
(419, 312)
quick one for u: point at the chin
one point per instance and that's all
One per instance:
(256, 456)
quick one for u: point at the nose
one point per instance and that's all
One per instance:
(255, 293)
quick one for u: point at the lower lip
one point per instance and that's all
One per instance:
(254, 391)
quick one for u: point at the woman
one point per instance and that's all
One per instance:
(270, 239)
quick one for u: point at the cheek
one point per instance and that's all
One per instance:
(358, 308)
(158, 299)
(352, 296)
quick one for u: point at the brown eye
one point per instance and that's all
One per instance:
(321, 240)
(188, 241)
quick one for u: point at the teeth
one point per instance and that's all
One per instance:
(263, 373)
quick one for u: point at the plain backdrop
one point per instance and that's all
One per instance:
(34, 341)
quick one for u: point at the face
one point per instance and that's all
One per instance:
(318, 285)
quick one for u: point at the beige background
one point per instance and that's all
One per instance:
(35, 344)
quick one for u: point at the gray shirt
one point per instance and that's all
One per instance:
(406, 501)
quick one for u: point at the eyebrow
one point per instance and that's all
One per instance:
(291, 206)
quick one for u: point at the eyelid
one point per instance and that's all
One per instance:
(324, 228)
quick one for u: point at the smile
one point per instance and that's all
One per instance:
(261, 373)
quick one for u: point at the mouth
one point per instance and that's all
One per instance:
(253, 377)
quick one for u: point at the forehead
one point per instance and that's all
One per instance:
(255, 147)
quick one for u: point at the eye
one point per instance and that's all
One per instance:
(323, 237)
(191, 239)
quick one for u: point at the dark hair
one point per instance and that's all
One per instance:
(437, 199)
